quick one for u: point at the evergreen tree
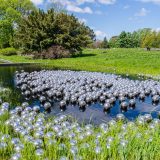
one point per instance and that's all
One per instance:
(105, 43)
(40, 30)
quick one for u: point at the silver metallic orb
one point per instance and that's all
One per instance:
(132, 103)
(107, 106)
(16, 156)
(124, 105)
(98, 150)
(3, 145)
(47, 105)
(120, 117)
(123, 143)
(38, 143)
(19, 148)
(39, 152)
(148, 117)
(24, 105)
(36, 108)
(155, 98)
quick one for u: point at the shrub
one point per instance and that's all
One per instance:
(8, 51)
(53, 52)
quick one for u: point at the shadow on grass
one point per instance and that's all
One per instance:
(83, 55)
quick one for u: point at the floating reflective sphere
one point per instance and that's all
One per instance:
(107, 106)
(36, 108)
(84, 88)
(132, 103)
(142, 96)
(47, 106)
(124, 105)
(155, 98)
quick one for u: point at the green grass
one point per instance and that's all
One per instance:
(120, 61)
(142, 143)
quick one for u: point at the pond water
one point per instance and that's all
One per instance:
(92, 114)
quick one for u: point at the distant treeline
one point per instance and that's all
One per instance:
(143, 38)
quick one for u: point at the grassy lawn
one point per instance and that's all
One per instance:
(121, 61)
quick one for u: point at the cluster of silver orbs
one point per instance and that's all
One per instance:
(32, 127)
(84, 88)
(76, 88)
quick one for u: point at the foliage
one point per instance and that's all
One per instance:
(10, 95)
(5, 93)
(127, 40)
(11, 12)
(8, 51)
(141, 34)
(105, 43)
(40, 30)
(151, 40)
(124, 40)
(113, 42)
(144, 38)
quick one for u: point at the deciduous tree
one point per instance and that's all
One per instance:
(11, 11)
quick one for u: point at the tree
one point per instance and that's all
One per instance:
(151, 40)
(128, 39)
(41, 30)
(125, 40)
(113, 42)
(158, 40)
(141, 35)
(135, 40)
(11, 11)
(105, 43)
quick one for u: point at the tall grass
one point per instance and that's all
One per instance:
(130, 141)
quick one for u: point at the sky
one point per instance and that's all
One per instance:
(111, 17)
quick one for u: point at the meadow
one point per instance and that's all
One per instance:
(120, 61)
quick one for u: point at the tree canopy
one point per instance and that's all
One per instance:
(40, 30)
(11, 11)
(144, 38)
(105, 43)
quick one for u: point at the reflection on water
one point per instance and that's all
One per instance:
(7, 74)
(7, 80)
(93, 113)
